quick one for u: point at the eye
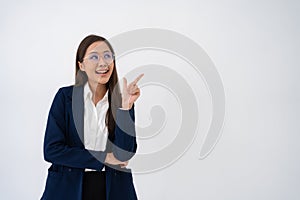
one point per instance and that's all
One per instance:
(94, 57)
(107, 56)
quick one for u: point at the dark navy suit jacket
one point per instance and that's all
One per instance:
(64, 148)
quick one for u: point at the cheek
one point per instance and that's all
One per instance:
(89, 71)
(112, 68)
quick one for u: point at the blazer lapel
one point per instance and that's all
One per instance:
(78, 110)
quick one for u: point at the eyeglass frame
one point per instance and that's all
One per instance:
(100, 55)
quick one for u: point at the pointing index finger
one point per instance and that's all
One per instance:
(137, 79)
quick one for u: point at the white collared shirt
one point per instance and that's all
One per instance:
(95, 129)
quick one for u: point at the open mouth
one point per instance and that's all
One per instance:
(102, 71)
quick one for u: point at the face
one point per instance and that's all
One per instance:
(98, 63)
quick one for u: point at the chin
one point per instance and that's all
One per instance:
(103, 82)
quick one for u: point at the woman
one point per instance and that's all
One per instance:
(90, 133)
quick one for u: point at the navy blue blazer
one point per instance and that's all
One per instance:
(64, 148)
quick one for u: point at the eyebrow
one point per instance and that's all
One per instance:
(97, 51)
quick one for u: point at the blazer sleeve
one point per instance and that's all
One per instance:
(56, 149)
(125, 135)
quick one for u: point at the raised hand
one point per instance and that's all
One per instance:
(130, 92)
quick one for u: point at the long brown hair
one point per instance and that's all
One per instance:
(112, 85)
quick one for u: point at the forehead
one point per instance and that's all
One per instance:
(98, 46)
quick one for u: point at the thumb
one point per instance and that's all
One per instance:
(124, 84)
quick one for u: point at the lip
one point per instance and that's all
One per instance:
(102, 72)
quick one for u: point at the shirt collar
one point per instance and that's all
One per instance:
(88, 93)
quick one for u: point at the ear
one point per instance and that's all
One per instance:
(81, 66)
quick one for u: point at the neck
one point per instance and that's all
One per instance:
(98, 91)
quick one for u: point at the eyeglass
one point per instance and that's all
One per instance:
(94, 58)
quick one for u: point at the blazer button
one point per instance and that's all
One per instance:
(70, 170)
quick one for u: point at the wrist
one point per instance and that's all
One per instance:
(126, 106)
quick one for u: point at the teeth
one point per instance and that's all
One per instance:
(102, 71)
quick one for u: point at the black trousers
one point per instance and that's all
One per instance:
(94, 186)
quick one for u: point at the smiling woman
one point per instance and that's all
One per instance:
(84, 138)
(98, 63)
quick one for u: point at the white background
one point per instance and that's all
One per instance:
(254, 45)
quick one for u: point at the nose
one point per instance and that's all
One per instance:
(101, 61)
